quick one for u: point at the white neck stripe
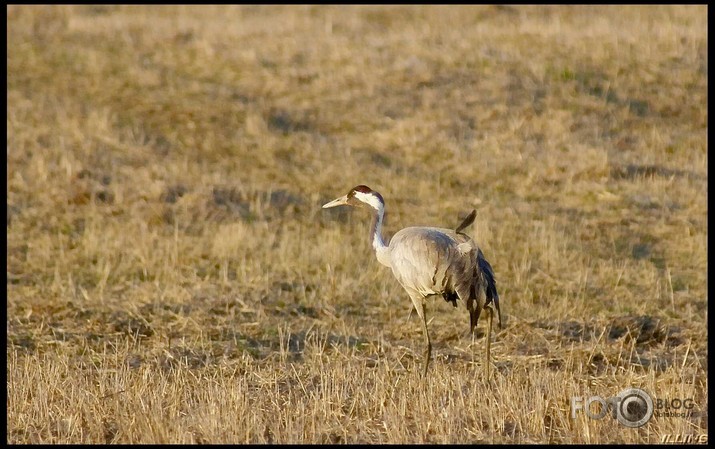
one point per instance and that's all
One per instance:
(369, 198)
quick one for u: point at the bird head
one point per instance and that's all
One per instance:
(357, 197)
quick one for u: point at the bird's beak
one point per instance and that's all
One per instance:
(343, 200)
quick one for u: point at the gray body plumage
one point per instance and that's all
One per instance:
(438, 261)
(427, 261)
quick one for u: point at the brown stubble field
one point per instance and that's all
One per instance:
(171, 276)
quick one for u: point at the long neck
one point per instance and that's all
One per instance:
(378, 244)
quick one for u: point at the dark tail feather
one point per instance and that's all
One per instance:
(491, 287)
(467, 221)
(494, 296)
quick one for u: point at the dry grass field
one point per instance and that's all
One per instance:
(171, 276)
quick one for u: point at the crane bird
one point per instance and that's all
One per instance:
(430, 261)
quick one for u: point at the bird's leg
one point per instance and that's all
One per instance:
(474, 312)
(409, 315)
(428, 350)
(490, 319)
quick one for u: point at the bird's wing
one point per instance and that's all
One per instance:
(420, 257)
